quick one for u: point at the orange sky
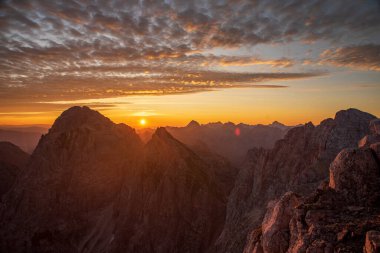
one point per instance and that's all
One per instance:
(294, 105)
(170, 62)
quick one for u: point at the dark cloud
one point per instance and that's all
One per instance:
(52, 49)
(365, 57)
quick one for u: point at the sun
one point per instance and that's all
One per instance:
(142, 122)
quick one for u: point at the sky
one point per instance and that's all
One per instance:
(168, 62)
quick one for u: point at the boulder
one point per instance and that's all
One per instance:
(353, 168)
(275, 238)
(375, 126)
(372, 242)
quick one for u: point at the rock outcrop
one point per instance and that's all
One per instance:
(275, 226)
(297, 163)
(372, 242)
(341, 216)
(373, 136)
(12, 162)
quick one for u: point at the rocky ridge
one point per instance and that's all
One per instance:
(297, 163)
(92, 186)
(342, 215)
(179, 206)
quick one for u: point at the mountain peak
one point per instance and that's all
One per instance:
(193, 123)
(77, 116)
(164, 140)
(276, 123)
(162, 133)
(353, 114)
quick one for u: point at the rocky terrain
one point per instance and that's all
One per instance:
(177, 205)
(93, 186)
(67, 190)
(342, 215)
(297, 163)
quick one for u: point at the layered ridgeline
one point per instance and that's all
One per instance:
(297, 163)
(91, 186)
(228, 140)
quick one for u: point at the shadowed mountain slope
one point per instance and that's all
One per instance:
(91, 186)
(12, 162)
(297, 163)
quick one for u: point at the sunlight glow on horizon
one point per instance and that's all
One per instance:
(292, 106)
(142, 122)
(170, 62)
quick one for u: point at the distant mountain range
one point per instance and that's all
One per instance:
(25, 137)
(226, 139)
(92, 185)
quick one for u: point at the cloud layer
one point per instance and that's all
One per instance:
(365, 57)
(79, 49)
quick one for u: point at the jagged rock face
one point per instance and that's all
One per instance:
(63, 201)
(297, 163)
(374, 135)
(342, 217)
(275, 225)
(353, 168)
(336, 219)
(274, 233)
(12, 162)
(181, 206)
(375, 126)
(372, 242)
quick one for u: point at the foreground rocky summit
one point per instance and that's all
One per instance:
(343, 215)
(297, 163)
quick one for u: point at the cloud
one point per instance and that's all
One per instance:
(85, 49)
(100, 82)
(363, 57)
(211, 60)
